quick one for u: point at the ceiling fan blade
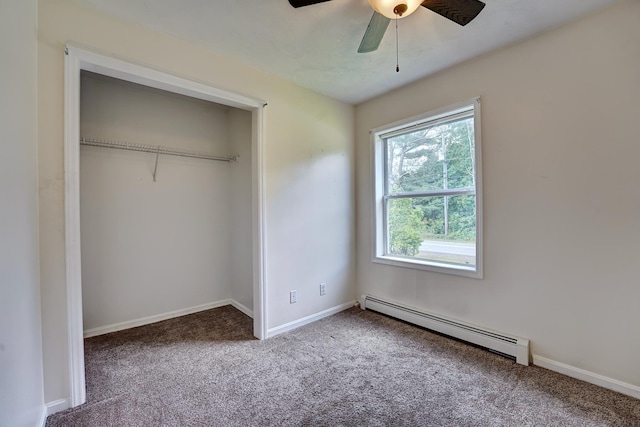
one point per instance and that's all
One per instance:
(374, 33)
(459, 11)
(300, 3)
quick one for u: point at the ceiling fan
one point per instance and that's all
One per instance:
(459, 11)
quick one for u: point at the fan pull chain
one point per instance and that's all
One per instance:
(397, 54)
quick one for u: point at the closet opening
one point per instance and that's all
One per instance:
(163, 198)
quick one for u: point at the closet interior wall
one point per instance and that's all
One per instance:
(184, 241)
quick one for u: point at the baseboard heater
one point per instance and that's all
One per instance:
(516, 347)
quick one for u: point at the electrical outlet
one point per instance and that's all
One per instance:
(293, 297)
(323, 288)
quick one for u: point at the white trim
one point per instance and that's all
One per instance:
(42, 421)
(259, 224)
(72, 227)
(416, 120)
(309, 319)
(128, 69)
(378, 180)
(587, 376)
(58, 405)
(243, 308)
(51, 408)
(101, 330)
(418, 264)
(110, 64)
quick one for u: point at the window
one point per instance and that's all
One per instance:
(428, 191)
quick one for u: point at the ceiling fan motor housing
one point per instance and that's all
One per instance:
(395, 9)
(459, 11)
(400, 9)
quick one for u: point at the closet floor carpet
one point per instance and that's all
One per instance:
(356, 368)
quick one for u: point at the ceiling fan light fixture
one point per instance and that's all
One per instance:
(395, 9)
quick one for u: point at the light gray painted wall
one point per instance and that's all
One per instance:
(309, 171)
(561, 195)
(21, 380)
(148, 247)
(239, 130)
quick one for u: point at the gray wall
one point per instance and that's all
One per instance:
(21, 387)
(561, 195)
(150, 248)
(239, 131)
(308, 176)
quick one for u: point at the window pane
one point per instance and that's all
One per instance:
(426, 192)
(406, 226)
(434, 158)
(441, 229)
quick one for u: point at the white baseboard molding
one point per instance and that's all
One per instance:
(309, 319)
(101, 330)
(42, 421)
(243, 308)
(53, 407)
(587, 376)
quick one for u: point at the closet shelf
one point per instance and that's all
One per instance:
(155, 149)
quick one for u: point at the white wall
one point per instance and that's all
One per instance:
(148, 247)
(21, 387)
(561, 196)
(309, 182)
(239, 131)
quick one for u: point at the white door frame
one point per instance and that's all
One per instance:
(108, 64)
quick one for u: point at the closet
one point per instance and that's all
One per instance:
(165, 204)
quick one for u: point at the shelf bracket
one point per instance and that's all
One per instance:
(155, 168)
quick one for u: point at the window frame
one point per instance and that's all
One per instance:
(380, 194)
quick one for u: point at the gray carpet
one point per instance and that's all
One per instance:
(355, 368)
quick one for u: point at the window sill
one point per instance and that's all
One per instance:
(438, 267)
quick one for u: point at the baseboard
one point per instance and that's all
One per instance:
(309, 319)
(42, 421)
(243, 308)
(502, 342)
(164, 316)
(590, 377)
(53, 407)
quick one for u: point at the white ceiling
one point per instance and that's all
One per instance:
(315, 46)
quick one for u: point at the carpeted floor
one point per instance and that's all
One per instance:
(356, 368)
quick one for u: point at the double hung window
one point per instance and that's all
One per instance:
(428, 191)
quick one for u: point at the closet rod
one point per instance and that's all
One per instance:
(155, 149)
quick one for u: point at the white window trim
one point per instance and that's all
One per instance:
(377, 156)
